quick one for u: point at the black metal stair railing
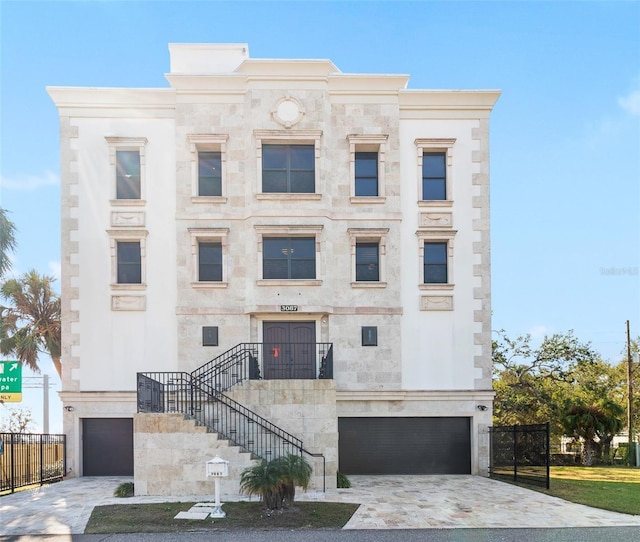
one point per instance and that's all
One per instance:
(199, 394)
(166, 392)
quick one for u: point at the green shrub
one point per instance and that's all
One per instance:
(343, 482)
(124, 490)
(274, 481)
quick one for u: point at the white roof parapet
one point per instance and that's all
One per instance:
(206, 58)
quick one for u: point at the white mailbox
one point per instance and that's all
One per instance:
(217, 467)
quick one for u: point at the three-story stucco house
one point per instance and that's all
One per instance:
(270, 257)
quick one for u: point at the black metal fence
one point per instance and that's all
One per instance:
(520, 453)
(27, 459)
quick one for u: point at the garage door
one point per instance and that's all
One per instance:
(107, 447)
(405, 445)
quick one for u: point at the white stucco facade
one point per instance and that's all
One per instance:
(433, 353)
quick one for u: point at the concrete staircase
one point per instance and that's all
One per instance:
(170, 454)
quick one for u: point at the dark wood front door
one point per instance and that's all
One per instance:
(289, 350)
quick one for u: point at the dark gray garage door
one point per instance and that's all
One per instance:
(405, 445)
(107, 447)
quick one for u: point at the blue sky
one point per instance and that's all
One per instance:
(565, 134)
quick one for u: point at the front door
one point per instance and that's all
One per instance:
(289, 350)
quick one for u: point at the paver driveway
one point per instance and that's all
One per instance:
(387, 502)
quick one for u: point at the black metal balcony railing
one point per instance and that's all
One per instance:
(271, 361)
(199, 394)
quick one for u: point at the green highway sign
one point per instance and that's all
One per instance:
(10, 381)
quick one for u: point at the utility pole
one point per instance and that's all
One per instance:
(45, 404)
(630, 451)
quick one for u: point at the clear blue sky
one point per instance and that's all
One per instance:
(565, 135)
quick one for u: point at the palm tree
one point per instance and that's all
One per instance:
(276, 480)
(7, 241)
(610, 425)
(589, 422)
(30, 325)
(264, 479)
(296, 471)
(582, 422)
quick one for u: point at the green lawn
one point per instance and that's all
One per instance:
(158, 518)
(610, 488)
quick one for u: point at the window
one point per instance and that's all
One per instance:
(208, 253)
(367, 164)
(289, 258)
(288, 168)
(435, 263)
(128, 259)
(434, 176)
(129, 262)
(367, 262)
(366, 174)
(289, 255)
(127, 175)
(368, 253)
(127, 160)
(210, 173)
(208, 164)
(287, 164)
(209, 262)
(435, 157)
(436, 259)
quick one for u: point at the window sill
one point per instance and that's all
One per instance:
(436, 286)
(209, 285)
(363, 284)
(131, 286)
(367, 200)
(288, 282)
(436, 203)
(208, 200)
(282, 196)
(128, 202)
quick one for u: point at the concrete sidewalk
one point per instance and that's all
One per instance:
(387, 502)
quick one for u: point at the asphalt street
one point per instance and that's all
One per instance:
(592, 534)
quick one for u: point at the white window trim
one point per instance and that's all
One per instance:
(127, 144)
(204, 143)
(367, 143)
(436, 236)
(211, 235)
(369, 235)
(290, 231)
(292, 137)
(436, 145)
(128, 236)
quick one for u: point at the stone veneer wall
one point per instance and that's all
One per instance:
(170, 454)
(304, 408)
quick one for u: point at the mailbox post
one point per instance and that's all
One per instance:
(217, 468)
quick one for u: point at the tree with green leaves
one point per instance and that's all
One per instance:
(7, 241)
(594, 425)
(531, 382)
(30, 324)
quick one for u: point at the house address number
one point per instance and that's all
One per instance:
(288, 308)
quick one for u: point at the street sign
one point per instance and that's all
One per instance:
(10, 381)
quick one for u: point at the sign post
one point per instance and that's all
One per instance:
(10, 381)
